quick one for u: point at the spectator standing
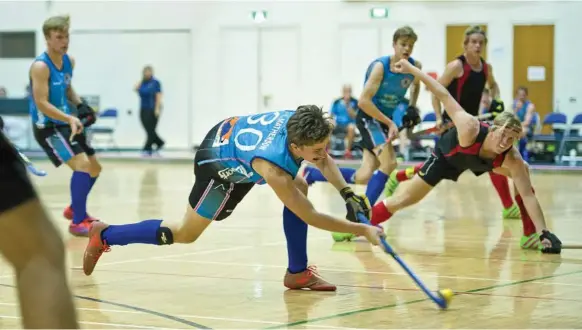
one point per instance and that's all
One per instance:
(150, 94)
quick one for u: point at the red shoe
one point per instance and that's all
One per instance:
(95, 247)
(307, 279)
(80, 229)
(69, 214)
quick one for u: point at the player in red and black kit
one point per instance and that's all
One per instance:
(478, 147)
(465, 79)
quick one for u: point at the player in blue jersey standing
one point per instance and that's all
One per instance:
(383, 109)
(56, 129)
(237, 154)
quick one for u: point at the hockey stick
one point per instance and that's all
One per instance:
(445, 127)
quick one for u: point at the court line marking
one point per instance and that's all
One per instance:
(98, 323)
(371, 309)
(135, 308)
(163, 257)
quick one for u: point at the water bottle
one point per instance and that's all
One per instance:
(573, 157)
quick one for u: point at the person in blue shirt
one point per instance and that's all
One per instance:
(56, 129)
(237, 154)
(150, 95)
(525, 111)
(383, 109)
(344, 111)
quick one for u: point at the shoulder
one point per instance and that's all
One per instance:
(456, 64)
(416, 63)
(513, 161)
(71, 59)
(39, 68)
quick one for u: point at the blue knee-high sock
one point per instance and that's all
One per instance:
(93, 182)
(376, 186)
(296, 234)
(80, 186)
(315, 175)
(145, 232)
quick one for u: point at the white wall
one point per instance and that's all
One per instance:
(321, 26)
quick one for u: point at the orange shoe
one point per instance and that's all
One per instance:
(95, 247)
(307, 279)
(69, 214)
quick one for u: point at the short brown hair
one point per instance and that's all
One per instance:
(475, 29)
(59, 23)
(308, 125)
(404, 32)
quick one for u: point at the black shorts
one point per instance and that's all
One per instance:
(437, 168)
(373, 132)
(55, 143)
(212, 197)
(15, 186)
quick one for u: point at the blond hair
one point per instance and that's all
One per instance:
(58, 23)
(475, 29)
(405, 32)
(508, 120)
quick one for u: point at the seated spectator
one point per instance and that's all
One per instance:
(343, 111)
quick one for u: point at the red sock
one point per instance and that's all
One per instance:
(502, 186)
(528, 225)
(408, 173)
(380, 214)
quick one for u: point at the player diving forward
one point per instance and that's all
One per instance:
(383, 109)
(480, 148)
(236, 154)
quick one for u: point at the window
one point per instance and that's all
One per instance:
(17, 44)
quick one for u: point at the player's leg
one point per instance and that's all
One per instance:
(94, 172)
(299, 274)
(501, 184)
(30, 242)
(350, 135)
(387, 158)
(398, 176)
(431, 173)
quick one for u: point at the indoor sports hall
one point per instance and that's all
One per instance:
(218, 59)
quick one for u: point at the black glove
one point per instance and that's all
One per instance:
(411, 118)
(355, 204)
(496, 107)
(556, 247)
(87, 115)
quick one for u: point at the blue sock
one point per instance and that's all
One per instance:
(376, 186)
(80, 186)
(145, 232)
(296, 234)
(315, 175)
(93, 182)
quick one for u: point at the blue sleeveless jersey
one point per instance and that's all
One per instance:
(239, 140)
(59, 82)
(522, 111)
(393, 88)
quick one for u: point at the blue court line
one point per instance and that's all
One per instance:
(138, 309)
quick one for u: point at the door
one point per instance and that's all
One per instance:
(279, 71)
(109, 64)
(359, 46)
(455, 39)
(238, 72)
(533, 46)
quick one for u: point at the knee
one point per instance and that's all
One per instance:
(301, 184)
(80, 163)
(388, 165)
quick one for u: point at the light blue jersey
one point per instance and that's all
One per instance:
(59, 82)
(239, 140)
(393, 88)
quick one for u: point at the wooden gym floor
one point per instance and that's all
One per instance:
(232, 276)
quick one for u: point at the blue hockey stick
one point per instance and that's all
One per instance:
(438, 299)
(29, 165)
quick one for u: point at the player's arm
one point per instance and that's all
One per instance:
(40, 75)
(285, 188)
(71, 94)
(331, 172)
(519, 172)
(467, 125)
(415, 87)
(370, 88)
(452, 70)
(492, 83)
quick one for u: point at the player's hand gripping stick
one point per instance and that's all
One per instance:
(442, 298)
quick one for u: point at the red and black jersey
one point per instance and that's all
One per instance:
(467, 158)
(468, 88)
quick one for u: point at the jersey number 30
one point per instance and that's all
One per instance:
(260, 119)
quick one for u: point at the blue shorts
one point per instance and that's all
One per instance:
(55, 143)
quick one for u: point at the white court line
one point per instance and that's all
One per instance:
(98, 323)
(163, 257)
(339, 270)
(188, 317)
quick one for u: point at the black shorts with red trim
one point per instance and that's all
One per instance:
(437, 168)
